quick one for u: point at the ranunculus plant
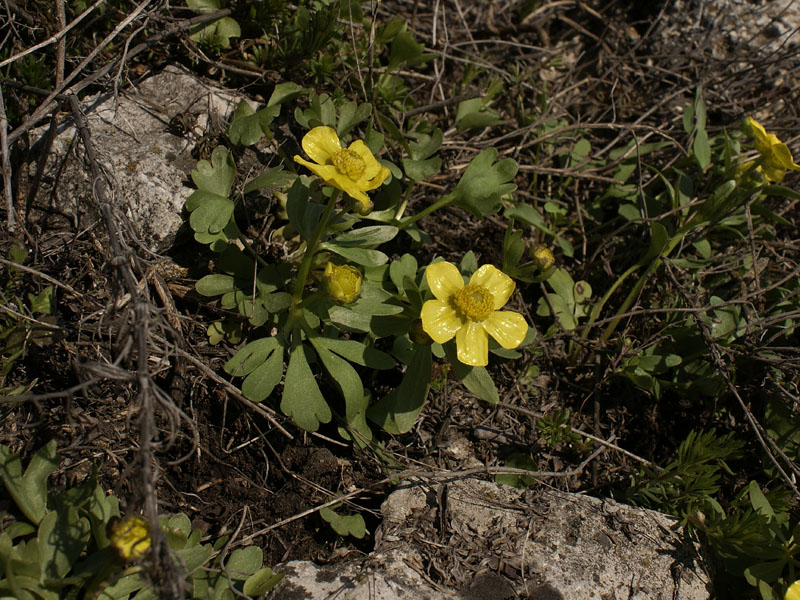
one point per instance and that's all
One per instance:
(318, 323)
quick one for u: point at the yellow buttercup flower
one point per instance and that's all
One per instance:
(470, 312)
(130, 537)
(354, 170)
(793, 593)
(776, 158)
(343, 283)
(543, 258)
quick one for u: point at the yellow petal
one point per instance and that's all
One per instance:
(756, 128)
(348, 186)
(772, 172)
(793, 593)
(507, 328)
(443, 279)
(472, 345)
(440, 321)
(326, 172)
(781, 156)
(321, 143)
(500, 285)
(372, 165)
(376, 181)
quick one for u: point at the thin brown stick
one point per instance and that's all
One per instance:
(11, 220)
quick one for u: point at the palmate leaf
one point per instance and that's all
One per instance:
(398, 411)
(344, 524)
(216, 176)
(29, 491)
(302, 400)
(484, 182)
(261, 361)
(248, 125)
(349, 384)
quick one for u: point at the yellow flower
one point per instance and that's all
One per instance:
(353, 170)
(470, 312)
(343, 283)
(130, 537)
(793, 593)
(542, 257)
(776, 156)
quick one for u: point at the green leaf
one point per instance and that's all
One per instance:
(518, 460)
(209, 212)
(195, 557)
(397, 412)
(484, 182)
(358, 353)
(349, 384)
(405, 266)
(360, 256)
(272, 178)
(529, 215)
(215, 177)
(702, 149)
(248, 126)
(286, 91)
(258, 385)
(478, 381)
(215, 285)
(44, 301)
(344, 524)
(251, 356)
(261, 582)
(425, 145)
(405, 49)
(476, 114)
(420, 170)
(243, 562)
(658, 241)
(350, 115)
(302, 400)
(63, 536)
(29, 491)
(217, 34)
(366, 236)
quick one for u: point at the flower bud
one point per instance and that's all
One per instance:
(130, 537)
(343, 283)
(542, 257)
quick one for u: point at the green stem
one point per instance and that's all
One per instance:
(311, 248)
(402, 208)
(440, 203)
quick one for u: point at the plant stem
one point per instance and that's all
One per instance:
(311, 248)
(440, 203)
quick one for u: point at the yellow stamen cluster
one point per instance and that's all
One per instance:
(349, 163)
(474, 302)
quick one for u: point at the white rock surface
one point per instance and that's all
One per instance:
(147, 161)
(477, 540)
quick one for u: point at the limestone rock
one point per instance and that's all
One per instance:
(478, 540)
(143, 140)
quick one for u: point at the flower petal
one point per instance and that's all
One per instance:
(756, 128)
(440, 321)
(781, 156)
(371, 184)
(321, 143)
(472, 345)
(372, 164)
(326, 172)
(507, 327)
(500, 285)
(444, 279)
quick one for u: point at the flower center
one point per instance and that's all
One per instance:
(349, 163)
(474, 302)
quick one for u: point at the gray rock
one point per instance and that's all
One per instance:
(478, 540)
(146, 159)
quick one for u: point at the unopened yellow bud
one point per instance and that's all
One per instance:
(793, 593)
(542, 257)
(130, 537)
(343, 283)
